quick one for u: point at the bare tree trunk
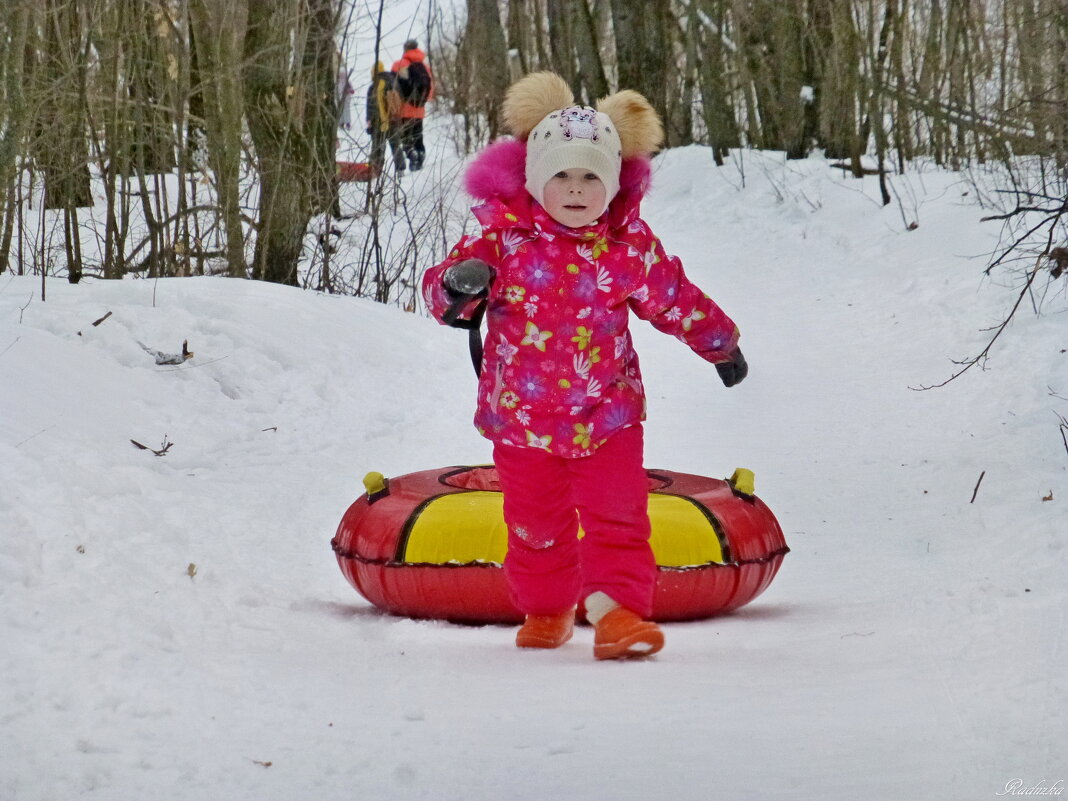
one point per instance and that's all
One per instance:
(593, 83)
(518, 34)
(876, 105)
(62, 150)
(271, 104)
(539, 18)
(196, 133)
(812, 46)
(10, 198)
(112, 152)
(960, 31)
(319, 67)
(839, 90)
(219, 30)
(1031, 69)
(901, 128)
(644, 51)
(929, 80)
(146, 84)
(771, 38)
(561, 43)
(712, 65)
(681, 83)
(287, 110)
(14, 30)
(1058, 106)
(573, 49)
(483, 53)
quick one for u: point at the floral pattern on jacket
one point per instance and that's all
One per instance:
(559, 371)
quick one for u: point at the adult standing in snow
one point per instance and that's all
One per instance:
(415, 82)
(383, 118)
(563, 259)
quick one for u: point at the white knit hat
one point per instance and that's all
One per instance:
(569, 138)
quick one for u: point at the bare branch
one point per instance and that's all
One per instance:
(970, 363)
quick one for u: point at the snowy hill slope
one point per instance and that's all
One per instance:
(176, 625)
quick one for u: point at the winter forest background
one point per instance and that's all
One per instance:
(192, 137)
(877, 190)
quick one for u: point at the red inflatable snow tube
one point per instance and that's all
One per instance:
(431, 545)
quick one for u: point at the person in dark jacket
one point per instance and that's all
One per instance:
(383, 118)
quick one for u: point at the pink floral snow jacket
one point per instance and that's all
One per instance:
(559, 371)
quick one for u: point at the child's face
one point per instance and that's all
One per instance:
(575, 197)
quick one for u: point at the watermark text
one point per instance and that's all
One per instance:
(1020, 787)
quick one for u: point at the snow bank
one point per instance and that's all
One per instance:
(176, 625)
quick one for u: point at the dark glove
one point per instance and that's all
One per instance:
(468, 277)
(732, 372)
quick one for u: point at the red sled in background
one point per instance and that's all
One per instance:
(432, 545)
(356, 172)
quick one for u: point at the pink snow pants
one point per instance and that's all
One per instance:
(546, 497)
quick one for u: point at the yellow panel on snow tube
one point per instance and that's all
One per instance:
(468, 527)
(683, 534)
(462, 527)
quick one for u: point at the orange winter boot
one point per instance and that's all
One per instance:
(546, 631)
(621, 634)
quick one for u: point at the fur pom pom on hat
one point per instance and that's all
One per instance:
(560, 135)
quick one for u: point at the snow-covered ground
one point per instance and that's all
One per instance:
(176, 626)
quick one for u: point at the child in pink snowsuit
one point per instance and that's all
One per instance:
(562, 260)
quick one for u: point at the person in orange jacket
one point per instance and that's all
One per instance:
(415, 82)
